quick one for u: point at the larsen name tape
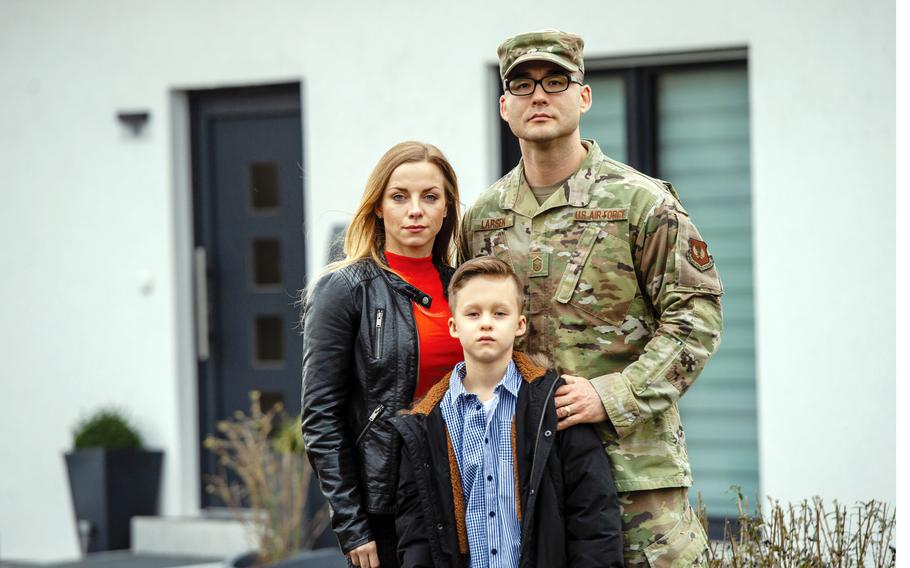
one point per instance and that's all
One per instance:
(492, 223)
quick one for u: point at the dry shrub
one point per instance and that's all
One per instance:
(807, 535)
(264, 479)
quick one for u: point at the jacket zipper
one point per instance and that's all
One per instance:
(543, 414)
(532, 484)
(373, 416)
(377, 342)
(416, 348)
(388, 280)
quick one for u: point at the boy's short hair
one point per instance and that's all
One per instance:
(483, 266)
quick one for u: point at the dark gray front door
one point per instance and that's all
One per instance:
(248, 209)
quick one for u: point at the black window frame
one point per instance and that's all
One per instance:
(639, 75)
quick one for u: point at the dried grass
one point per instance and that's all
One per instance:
(806, 535)
(264, 480)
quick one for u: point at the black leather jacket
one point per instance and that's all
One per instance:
(360, 366)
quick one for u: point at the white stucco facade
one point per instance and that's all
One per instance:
(95, 223)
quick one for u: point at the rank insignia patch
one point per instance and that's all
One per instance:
(539, 263)
(698, 255)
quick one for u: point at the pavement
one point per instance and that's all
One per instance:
(124, 559)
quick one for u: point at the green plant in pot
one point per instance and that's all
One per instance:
(112, 479)
(264, 478)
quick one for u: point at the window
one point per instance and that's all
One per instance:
(685, 119)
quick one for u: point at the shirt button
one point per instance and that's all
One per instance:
(547, 433)
(425, 301)
(492, 513)
(489, 478)
(486, 440)
(439, 527)
(479, 407)
(493, 552)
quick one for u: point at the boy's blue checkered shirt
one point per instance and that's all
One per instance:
(483, 449)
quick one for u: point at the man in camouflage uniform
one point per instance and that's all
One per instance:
(621, 290)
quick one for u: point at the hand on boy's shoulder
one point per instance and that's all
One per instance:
(578, 403)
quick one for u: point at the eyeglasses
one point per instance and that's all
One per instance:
(524, 86)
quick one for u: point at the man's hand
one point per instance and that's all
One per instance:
(578, 403)
(365, 555)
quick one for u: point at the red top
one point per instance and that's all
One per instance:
(439, 351)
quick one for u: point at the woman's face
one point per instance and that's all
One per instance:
(412, 208)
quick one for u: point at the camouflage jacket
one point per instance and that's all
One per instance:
(620, 289)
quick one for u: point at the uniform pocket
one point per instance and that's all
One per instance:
(491, 243)
(684, 545)
(599, 279)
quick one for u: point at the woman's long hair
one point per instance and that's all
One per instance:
(365, 235)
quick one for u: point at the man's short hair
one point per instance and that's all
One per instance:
(489, 266)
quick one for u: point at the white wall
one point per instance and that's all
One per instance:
(91, 215)
(824, 174)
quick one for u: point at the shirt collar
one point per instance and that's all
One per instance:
(517, 196)
(511, 380)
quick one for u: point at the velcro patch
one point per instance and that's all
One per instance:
(490, 223)
(538, 263)
(601, 214)
(698, 255)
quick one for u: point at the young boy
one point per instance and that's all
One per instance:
(486, 480)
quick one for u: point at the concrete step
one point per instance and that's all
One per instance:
(124, 559)
(190, 536)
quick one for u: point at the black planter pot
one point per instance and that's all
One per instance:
(321, 558)
(109, 487)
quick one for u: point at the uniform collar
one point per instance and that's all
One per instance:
(576, 191)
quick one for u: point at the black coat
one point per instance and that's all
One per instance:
(568, 506)
(360, 367)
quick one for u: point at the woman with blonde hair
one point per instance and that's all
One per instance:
(375, 338)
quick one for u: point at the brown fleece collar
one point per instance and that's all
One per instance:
(457, 497)
(530, 372)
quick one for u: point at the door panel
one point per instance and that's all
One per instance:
(248, 197)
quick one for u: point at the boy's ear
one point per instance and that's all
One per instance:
(453, 331)
(522, 326)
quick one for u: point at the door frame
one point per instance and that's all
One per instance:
(192, 384)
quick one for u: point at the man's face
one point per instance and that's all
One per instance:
(486, 318)
(542, 116)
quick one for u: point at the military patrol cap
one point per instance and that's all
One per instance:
(562, 48)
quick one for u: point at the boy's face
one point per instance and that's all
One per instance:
(486, 318)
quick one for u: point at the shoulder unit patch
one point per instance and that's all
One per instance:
(698, 255)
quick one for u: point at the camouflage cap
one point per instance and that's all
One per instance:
(562, 48)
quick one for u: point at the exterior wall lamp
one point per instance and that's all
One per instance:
(134, 120)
